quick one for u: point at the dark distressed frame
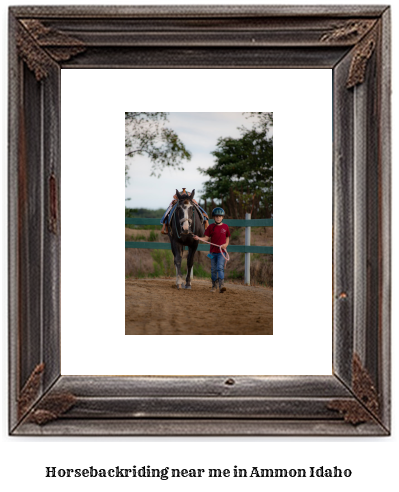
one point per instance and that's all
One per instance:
(353, 41)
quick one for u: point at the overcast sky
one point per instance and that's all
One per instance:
(199, 133)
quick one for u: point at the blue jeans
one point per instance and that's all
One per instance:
(217, 266)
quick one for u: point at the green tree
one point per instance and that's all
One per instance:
(263, 121)
(242, 178)
(147, 134)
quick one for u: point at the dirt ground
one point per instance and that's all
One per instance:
(157, 307)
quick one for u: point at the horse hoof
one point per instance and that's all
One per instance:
(187, 286)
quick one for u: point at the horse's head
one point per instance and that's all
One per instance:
(185, 211)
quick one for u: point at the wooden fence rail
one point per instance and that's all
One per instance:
(204, 247)
(229, 222)
(247, 248)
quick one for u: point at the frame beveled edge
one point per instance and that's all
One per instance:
(207, 11)
(355, 400)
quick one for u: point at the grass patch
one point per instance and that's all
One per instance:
(234, 275)
(139, 237)
(260, 256)
(153, 236)
(163, 266)
(235, 233)
(162, 263)
(262, 269)
(144, 227)
(200, 272)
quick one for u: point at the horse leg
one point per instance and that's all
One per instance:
(178, 256)
(190, 263)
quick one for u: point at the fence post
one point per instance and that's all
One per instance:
(247, 278)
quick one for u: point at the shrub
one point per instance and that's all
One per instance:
(200, 272)
(235, 234)
(153, 236)
(162, 263)
(139, 237)
(262, 269)
(233, 274)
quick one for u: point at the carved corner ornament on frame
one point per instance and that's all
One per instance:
(353, 42)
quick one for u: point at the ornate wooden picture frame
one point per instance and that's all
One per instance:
(352, 41)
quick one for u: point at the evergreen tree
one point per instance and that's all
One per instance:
(242, 178)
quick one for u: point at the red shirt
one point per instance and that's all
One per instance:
(218, 235)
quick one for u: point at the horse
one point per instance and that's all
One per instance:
(183, 225)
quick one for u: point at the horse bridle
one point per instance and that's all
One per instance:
(184, 219)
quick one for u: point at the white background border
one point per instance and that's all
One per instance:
(93, 200)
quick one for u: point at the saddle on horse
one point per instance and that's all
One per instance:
(165, 219)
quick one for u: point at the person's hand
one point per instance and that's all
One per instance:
(196, 238)
(224, 246)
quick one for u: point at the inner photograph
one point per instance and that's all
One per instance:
(198, 223)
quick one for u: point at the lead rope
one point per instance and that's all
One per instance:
(224, 252)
